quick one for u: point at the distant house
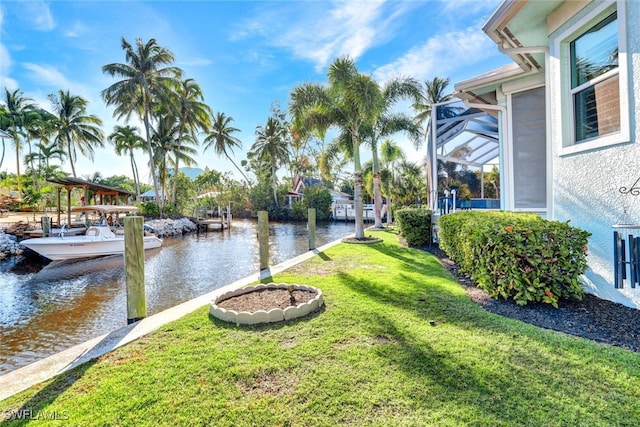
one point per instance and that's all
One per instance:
(341, 203)
(148, 196)
(297, 192)
(563, 120)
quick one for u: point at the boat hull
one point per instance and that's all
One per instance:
(55, 248)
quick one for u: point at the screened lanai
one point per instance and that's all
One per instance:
(463, 135)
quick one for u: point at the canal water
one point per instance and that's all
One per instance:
(45, 309)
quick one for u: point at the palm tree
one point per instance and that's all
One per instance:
(409, 182)
(434, 92)
(221, 139)
(146, 78)
(42, 126)
(125, 140)
(390, 153)
(17, 107)
(271, 146)
(4, 124)
(192, 113)
(386, 124)
(74, 128)
(350, 101)
(165, 143)
(45, 152)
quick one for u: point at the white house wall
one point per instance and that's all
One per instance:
(586, 185)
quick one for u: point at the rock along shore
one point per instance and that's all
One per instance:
(9, 246)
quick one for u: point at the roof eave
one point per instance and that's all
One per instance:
(465, 89)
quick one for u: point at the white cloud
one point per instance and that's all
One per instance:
(440, 55)
(348, 28)
(39, 15)
(319, 33)
(5, 65)
(460, 8)
(78, 29)
(195, 62)
(49, 76)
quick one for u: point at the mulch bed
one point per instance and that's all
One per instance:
(592, 318)
(266, 299)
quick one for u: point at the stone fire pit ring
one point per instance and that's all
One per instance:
(266, 316)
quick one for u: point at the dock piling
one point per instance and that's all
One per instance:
(263, 239)
(134, 268)
(311, 228)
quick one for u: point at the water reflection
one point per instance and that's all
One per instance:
(45, 308)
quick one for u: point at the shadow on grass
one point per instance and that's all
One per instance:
(36, 407)
(413, 262)
(323, 256)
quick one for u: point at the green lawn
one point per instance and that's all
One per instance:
(398, 343)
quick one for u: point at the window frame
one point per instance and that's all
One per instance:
(568, 114)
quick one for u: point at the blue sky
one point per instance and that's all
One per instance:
(244, 54)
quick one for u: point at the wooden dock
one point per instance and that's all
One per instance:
(221, 221)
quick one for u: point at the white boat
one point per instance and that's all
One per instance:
(98, 240)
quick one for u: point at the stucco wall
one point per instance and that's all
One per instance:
(586, 186)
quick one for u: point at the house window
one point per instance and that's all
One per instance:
(595, 82)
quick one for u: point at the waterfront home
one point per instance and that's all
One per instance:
(563, 120)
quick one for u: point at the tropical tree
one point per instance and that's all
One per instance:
(192, 114)
(16, 109)
(410, 183)
(75, 130)
(350, 101)
(166, 150)
(434, 93)
(387, 123)
(272, 147)
(492, 178)
(146, 79)
(221, 139)
(42, 128)
(390, 153)
(126, 139)
(43, 154)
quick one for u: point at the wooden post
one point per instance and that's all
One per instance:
(59, 205)
(134, 268)
(46, 226)
(311, 228)
(69, 206)
(263, 238)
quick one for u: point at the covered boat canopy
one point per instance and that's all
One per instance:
(101, 191)
(106, 209)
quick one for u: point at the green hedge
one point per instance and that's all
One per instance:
(519, 256)
(414, 225)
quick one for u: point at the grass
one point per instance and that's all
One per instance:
(397, 344)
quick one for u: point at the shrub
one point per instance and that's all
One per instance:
(414, 225)
(318, 198)
(150, 209)
(298, 211)
(519, 256)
